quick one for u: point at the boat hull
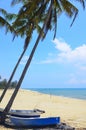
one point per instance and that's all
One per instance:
(34, 122)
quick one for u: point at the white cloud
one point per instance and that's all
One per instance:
(61, 45)
(66, 54)
(71, 55)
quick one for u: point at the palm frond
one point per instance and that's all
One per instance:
(74, 18)
(11, 17)
(57, 4)
(69, 9)
(4, 23)
(3, 12)
(55, 22)
(48, 21)
(8, 16)
(82, 2)
(14, 2)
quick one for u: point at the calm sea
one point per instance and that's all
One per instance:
(79, 93)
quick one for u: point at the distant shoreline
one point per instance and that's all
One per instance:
(77, 93)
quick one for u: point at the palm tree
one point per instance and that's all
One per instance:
(4, 23)
(11, 77)
(23, 29)
(50, 15)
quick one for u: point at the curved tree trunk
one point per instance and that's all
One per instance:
(7, 108)
(22, 76)
(11, 77)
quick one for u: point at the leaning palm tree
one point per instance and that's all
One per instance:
(15, 68)
(24, 28)
(50, 13)
(12, 74)
(4, 23)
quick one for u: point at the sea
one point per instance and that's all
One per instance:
(78, 93)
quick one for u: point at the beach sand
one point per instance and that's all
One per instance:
(71, 111)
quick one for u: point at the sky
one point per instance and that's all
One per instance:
(58, 63)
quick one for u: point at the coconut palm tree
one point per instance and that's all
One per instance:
(11, 77)
(24, 28)
(50, 16)
(4, 23)
(15, 68)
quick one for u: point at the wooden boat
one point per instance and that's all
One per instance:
(34, 122)
(24, 113)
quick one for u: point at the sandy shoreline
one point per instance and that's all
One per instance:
(72, 111)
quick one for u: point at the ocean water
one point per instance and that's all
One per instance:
(78, 93)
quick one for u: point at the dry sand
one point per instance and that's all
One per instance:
(72, 111)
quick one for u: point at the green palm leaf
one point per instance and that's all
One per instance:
(4, 23)
(8, 16)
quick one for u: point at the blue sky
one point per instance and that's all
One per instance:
(58, 63)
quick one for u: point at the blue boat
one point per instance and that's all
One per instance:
(34, 122)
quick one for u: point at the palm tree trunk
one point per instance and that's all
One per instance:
(11, 77)
(22, 76)
(7, 108)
